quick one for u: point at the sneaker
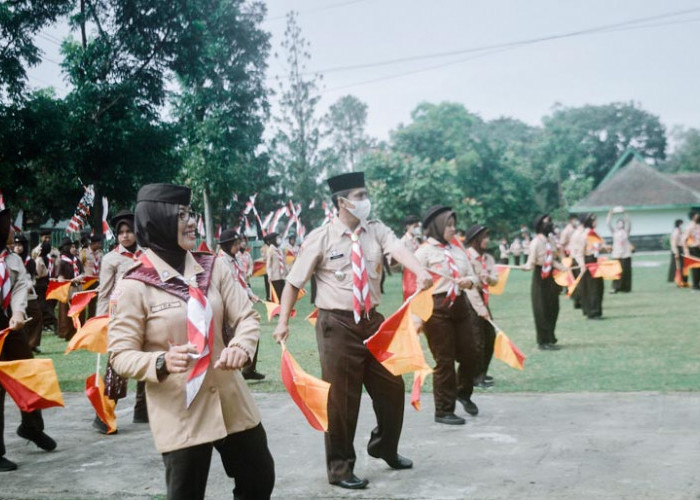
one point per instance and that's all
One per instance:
(469, 406)
(450, 419)
(39, 438)
(6, 465)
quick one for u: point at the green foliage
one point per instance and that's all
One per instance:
(346, 120)
(686, 155)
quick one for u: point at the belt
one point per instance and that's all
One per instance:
(348, 314)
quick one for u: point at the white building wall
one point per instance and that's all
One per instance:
(645, 222)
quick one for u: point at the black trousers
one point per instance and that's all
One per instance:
(592, 290)
(48, 307)
(348, 365)
(450, 333)
(32, 330)
(676, 261)
(624, 284)
(576, 296)
(267, 287)
(246, 459)
(516, 259)
(695, 273)
(485, 338)
(15, 348)
(545, 306)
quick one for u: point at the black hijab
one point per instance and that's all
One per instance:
(130, 224)
(45, 251)
(5, 224)
(156, 221)
(437, 224)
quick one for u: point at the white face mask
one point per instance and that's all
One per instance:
(362, 208)
(278, 242)
(416, 231)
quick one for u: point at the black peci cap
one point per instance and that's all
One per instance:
(345, 182)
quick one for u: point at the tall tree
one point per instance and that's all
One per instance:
(297, 159)
(222, 102)
(20, 20)
(346, 121)
(686, 154)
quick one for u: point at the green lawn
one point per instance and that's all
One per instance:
(646, 341)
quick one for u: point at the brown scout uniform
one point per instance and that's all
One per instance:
(146, 320)
(345, 361)
(449, 330)
(112, 268)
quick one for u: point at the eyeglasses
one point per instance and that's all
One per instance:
(186, 215)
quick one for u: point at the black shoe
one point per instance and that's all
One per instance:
(450, 419)
(354, 483)
(396, 462)
(548, 347)
(469, 406)
(36, 350)
(39, 438)
(488, 378)
(6, 465)
(100, 426)
(253, 376)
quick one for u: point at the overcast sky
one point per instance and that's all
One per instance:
(657, 65)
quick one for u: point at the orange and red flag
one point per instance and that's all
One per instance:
(259, 268)
(78, 304)
(273, 307)
(690, 263)
(92, 336)
(88, 281)
(606, 269)
(563, 278)
(203, 247)
(32, 383)
(3, 335)
(503, 273)
(505, 350)
(104, 407)
(58, 290)
(312, 317)
(309, 393)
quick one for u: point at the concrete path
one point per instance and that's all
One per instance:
(529, 446)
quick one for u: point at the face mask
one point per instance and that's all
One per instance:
(416, 231)
(362, 208)
(278, 242)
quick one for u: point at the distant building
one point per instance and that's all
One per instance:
(652, 199)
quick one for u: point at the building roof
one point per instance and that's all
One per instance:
(689, 179)
(638, 185)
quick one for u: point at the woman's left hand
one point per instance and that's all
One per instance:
(232, 358)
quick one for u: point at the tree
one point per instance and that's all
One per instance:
(222, 103)
(686, 155)
(20, 20)
(297, 160)
(346, 120)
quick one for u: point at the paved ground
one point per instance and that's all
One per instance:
(530, 446)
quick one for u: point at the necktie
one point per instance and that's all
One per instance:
(5, 283)
(360, 281)
(454, 272)
(548, 257)
(200, 333)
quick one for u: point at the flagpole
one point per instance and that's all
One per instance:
(97, 370)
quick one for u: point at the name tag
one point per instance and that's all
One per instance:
(165, 305)
(336, 256)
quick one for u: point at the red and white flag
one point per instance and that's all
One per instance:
(200, 227)
(106, 231)
(82, 211)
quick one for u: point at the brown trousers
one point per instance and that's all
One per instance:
(544, 293)
(451, 339)
(66, 329)
(16, 348)
(348, 365)
(32, 330)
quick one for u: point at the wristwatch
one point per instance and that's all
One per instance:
(161, 367)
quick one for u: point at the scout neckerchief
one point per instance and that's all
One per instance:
(135, 255)
(548, 258)
(5, 283)
(484, 279)
(200, 324)
(72, 261)
(96, 256)
(50, 259)
(360, 281)
(238, 272)
(454, 272)
(280, 259)
(595, 241)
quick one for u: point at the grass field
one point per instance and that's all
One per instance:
(648, 340)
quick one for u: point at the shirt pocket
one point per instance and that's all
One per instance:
(340, 268)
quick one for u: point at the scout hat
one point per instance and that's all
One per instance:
(474, 231)
(433, 212)
(228, 236)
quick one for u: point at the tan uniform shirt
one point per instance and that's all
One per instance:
(432, 256)
(37, 250)
(246, 260)
(327, 253)
(276, 269)
(676, 240)
(538, 252)
(410, 242)
(21, 283)
(146, 320)
(691, 237)
(577, 245)
(112, 268)
(565, 237)
(516, 248)
(91, 261)
(488, 275)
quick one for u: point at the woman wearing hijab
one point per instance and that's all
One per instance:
(67, 268)
(112, 268)
(44, 263)
(32, 329)
(275, 263)
(166, 327)
(544, 291)
(448, 330)
(592, 289)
